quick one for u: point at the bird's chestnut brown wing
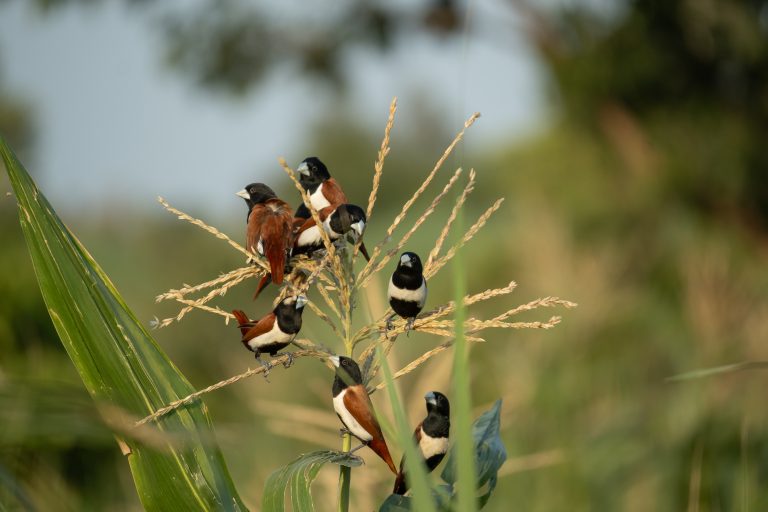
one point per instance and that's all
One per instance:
(305, 224)
(333, 193)
(264, 325)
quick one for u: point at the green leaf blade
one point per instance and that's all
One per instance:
(416, 470)
(297, 476)
(462, 396)
(120, 364)
(489, 453)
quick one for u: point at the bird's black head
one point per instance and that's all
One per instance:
(256, 193)
(410, 262)
(438, 421)
(288, 312)
(437, 403)
(347, 372)
(346, 218)
(290, 305)
(312, 172)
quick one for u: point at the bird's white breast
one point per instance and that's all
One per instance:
(274, 335)
(431, 446)
(317, 199)
(310, 236)
(328, 229)
(348, 420)
(418, 295)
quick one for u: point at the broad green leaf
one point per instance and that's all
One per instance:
(489, 456)
(297, 477)
(397, 503)
(489, 450)
(122, 367)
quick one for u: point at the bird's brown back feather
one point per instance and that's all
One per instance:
(333, 193)
(359, 405)
(272, 223)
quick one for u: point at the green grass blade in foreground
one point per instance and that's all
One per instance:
(415, 468)
(462, 398)
(121, 366)
(297, 477)
(489, 454)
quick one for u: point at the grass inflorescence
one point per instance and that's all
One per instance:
(337, 284)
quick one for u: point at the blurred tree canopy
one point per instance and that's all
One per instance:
(684, 79)
(687, 80)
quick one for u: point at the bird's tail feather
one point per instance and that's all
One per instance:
(364, 251)
(400, 485)
(243, 321)
(379, 446)
(262, 284)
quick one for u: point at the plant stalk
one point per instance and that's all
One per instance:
(345, 476)
(466, 471)
(345, 472)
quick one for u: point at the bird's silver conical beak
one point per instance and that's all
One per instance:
(244, 194)
(301, 301)
(431, 398)
(359, 227)
(405, 260)
(334, 360)
(303, 168)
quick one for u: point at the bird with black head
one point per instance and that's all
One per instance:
(269, 230)
(274, 331)
(407, 290)
(344, 219)
(430, 436)
(354, 408)
(323, 190)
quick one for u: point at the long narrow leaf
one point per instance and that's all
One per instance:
(297, 478)
(462, 396)
(416, 470)
(120, 364)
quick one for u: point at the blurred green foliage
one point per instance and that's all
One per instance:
(645, 201)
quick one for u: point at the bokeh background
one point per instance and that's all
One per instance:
(628, 137)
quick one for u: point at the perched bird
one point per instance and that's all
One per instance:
(337, 222)
(270, 229)
(353, 407)
(323, 190)
(407, 288)
(274, 331)
(431, 436)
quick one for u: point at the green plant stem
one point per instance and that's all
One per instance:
(345, 472)
(345, 476)
(463, 399)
